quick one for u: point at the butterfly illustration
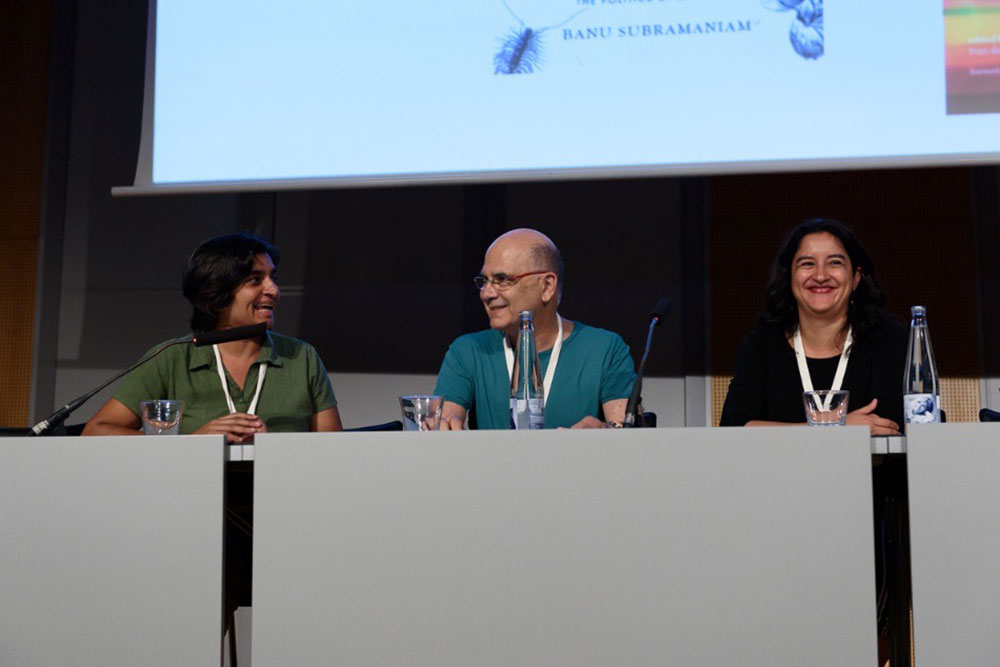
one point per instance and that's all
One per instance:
(806, 31)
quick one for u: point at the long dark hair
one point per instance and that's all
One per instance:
(867, 304)
(214, 271)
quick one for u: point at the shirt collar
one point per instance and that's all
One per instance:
(202, 357)
(268, 352)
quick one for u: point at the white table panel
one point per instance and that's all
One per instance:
(879, 445)
(954, 488)
(704, 547)
(112, 551)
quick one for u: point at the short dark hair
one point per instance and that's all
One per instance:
(215, 269)
(548, 258)
(867, 303)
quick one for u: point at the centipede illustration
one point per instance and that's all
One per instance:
(521, 48)
(806, 31)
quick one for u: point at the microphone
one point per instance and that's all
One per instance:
(227, 335)
(660, 310)
(198, 340)
(632, 417)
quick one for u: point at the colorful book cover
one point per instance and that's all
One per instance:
(972, 55)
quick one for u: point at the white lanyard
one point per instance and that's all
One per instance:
(550, 372)
(225, 385)
(838, 378)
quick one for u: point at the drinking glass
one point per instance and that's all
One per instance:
(826, 407)
(421, 412)
(161, 417)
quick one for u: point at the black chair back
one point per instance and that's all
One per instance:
(388, 426)
(987, 415)
(72, 429)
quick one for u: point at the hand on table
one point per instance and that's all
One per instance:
(451, 423)
(878, 425)
(238, 427)
(592, 422)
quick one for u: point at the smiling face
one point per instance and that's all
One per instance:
(255, 298)
(822, 276)
(511, 256)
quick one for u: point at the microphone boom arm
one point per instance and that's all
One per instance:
(198, 340)
(632, 418)
(60, 415)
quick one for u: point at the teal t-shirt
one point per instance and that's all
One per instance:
(295, 388)
(595, 367)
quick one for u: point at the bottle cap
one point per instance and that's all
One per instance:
(527, 315)
(918, 311)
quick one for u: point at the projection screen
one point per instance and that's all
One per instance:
(262, 95)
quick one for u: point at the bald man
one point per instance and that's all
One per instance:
(592, 374)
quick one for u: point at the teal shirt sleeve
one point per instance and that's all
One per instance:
(619, 371)
(455, 381)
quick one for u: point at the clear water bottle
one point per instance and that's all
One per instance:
(527, 395)
(921, 392)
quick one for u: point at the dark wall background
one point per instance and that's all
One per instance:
(386, 274)
(379, 279)
(918, 225)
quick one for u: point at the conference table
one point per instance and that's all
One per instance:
(651, 546)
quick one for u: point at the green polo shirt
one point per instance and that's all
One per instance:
(296, 385)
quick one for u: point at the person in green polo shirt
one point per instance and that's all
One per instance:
(588, 371)
(239, 388)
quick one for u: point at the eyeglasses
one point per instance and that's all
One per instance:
(502, 281)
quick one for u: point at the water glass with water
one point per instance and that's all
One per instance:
(161, 417)
(826, 407)
(421, 412)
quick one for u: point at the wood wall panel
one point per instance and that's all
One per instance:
(24, 58)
